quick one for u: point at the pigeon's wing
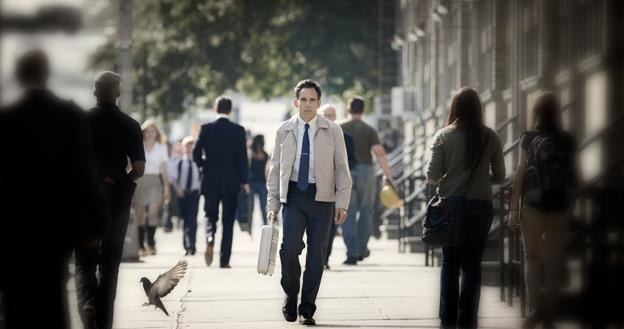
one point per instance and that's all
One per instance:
(168, 280)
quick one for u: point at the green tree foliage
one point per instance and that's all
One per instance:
(188, 52)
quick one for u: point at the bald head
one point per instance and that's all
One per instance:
(107, 86)
(32, 68)
(328, 111)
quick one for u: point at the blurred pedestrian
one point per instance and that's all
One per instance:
(186, 184)
(50, 198)
(461, 157)
(329, 112)
(359, 225)
(546, 182)
(152, 189)
(309, 176)
(116, 138)
(176, 151)
(258, 171)
(221, 153)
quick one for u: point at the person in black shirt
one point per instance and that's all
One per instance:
(257, 174)
(116, 137)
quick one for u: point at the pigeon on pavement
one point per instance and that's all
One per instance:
(163, 285)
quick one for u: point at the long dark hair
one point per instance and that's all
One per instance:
(257, 144)
(466, 113)
(546, 114)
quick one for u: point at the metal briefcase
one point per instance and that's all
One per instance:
(268, 249)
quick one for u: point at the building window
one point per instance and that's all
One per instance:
(529, 38)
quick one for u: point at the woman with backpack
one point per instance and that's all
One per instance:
(545, 181)
(462, 155)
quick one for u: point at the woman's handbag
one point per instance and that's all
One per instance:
(443, 224)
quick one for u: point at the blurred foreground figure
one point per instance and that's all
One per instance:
(50, 199)
(546, 182)
(116, 138)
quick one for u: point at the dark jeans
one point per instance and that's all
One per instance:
(100, 291)
(460, 308)
(228, 202)
(356, 230)
(189, 205)
(259, 188)
(302, 214)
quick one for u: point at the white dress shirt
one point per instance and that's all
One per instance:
(154, 158)
(183, 165)
(301, 130)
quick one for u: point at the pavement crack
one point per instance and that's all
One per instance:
(181, 308)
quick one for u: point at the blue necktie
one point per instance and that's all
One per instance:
(304, 162)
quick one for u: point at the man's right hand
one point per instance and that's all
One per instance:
(272, 216)
(179, 193)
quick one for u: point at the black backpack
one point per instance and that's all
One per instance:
(549, 179)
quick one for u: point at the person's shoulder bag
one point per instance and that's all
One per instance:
(443, 225)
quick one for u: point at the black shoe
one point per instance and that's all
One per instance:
(225, 266)
(532, 320)
(289, 310)
(327, 267)
(193, 251)
(306, 320)
(351, 261)
(364, 255)
(87, 315)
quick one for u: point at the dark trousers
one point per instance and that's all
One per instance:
(302, 214)
(228, 202)
(34, 293)
(460, 308)
(332, 236)
(100, 290)
(189, 204)
(259, 189)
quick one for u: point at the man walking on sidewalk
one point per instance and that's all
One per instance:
(309, 175)
(329, 112)
(116, 137)
(221, 152)
(357, 230)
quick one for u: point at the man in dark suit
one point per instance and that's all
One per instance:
(221, 153)
(50, 198)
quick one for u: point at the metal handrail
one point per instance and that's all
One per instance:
(415, 219)
(413, 195)
(397, 158)
(590, 140)
(505, 123)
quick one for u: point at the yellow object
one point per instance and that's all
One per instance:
(389, 197)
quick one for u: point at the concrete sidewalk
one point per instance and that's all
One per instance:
(387, 290)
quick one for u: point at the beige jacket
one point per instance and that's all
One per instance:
(333, 179)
